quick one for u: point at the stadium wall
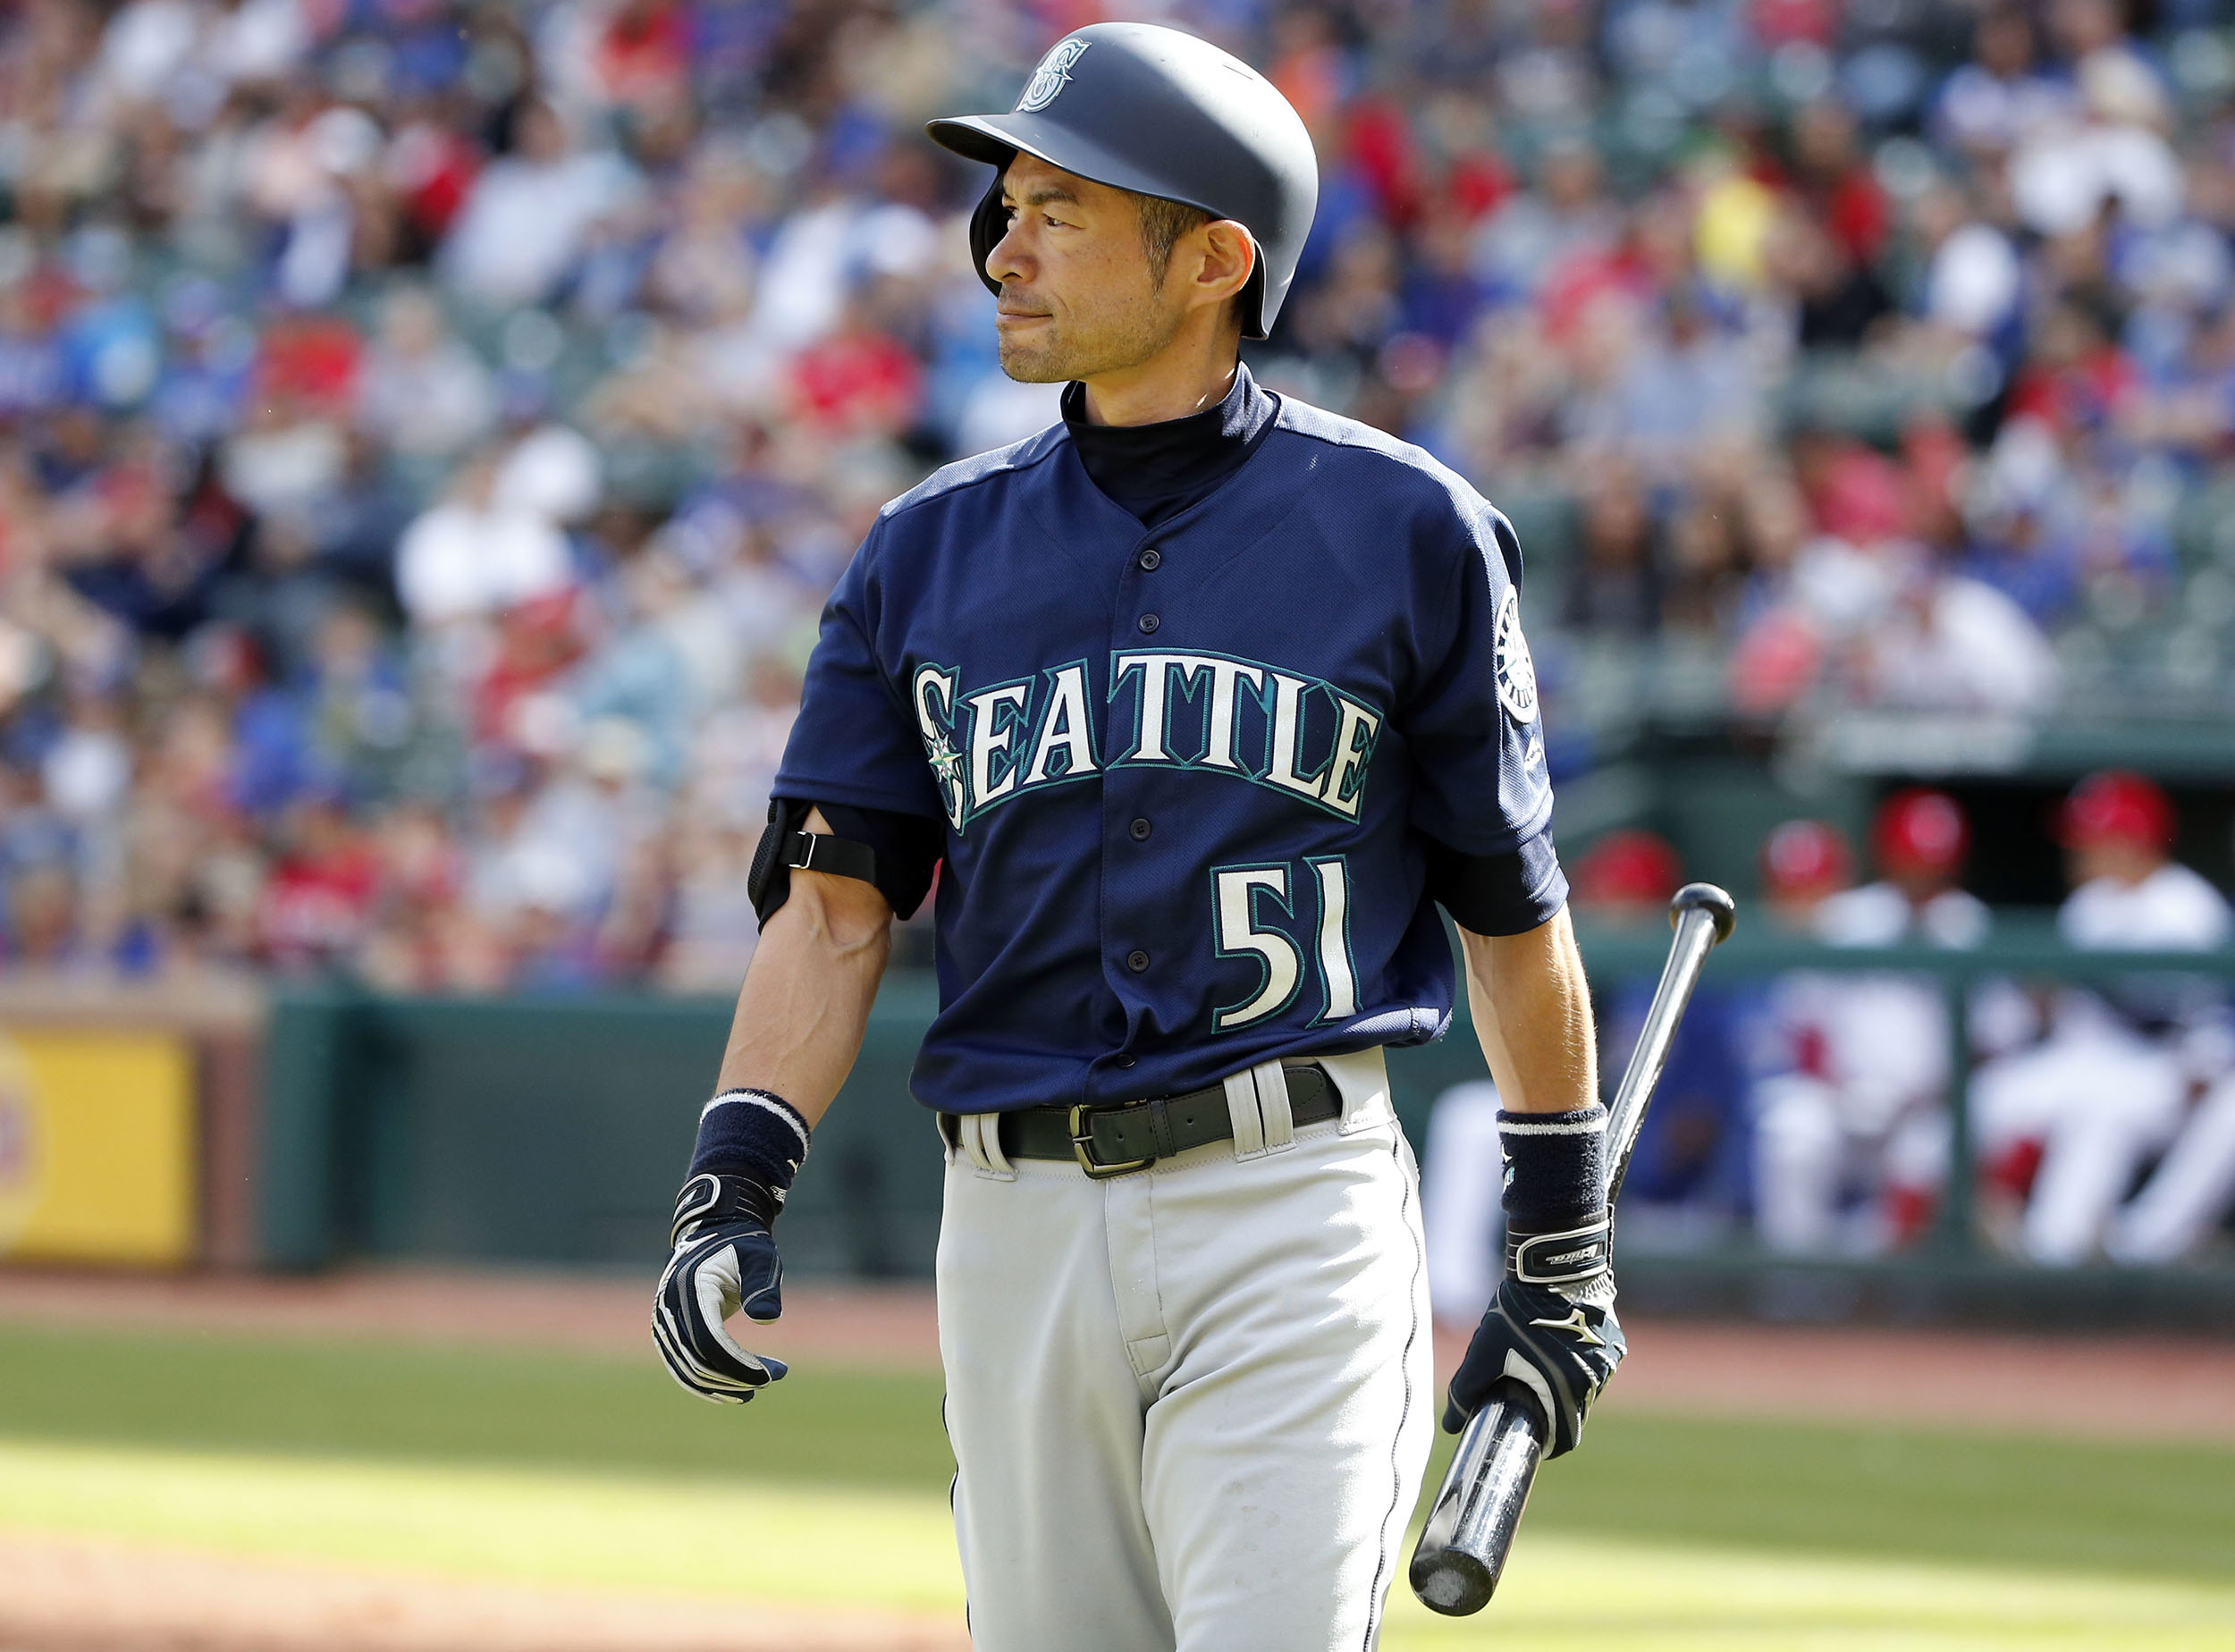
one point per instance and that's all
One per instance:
(130, 1120)
(554, 1130)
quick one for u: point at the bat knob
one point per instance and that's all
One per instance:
(1706, 898)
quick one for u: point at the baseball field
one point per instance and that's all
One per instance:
(412, 1465)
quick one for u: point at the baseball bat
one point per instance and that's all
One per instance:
(1471, 1526)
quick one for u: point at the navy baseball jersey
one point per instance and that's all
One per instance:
(1191, 776)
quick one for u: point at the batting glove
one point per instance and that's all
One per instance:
(1560, 1349)
(725, 1260)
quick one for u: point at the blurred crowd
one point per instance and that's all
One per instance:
(1811, 1111)
(428, 427)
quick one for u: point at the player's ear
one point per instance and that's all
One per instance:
(1226, 257)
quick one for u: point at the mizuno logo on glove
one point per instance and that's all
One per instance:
(1576, 1323)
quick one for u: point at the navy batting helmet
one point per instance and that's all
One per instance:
(1160, 113)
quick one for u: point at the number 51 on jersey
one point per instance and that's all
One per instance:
(1241, 898)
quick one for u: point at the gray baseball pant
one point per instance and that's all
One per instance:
(1191, 1406)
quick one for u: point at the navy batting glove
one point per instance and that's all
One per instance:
(1559, 1349)
(724, 1259)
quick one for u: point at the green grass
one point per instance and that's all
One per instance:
(866, 1549)
(1662, 1535)
(2155, 1510)
(2163, 1511)
(866, 1429)
(522, 1525)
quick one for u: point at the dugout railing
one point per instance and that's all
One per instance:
(552, 1131)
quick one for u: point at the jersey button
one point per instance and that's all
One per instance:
(1150, 558)
(1136, 960)
(1123, 1060)
(1141, 829)
(1148, 622)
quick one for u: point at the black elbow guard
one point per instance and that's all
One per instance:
(894, 853)
(785, 846)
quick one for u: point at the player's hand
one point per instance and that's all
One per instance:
(725, 1259)
(1561, 1351)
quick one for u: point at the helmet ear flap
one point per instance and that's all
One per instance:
(989, 221)
(1251, 301)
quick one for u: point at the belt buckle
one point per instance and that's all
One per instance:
(1082, 1150)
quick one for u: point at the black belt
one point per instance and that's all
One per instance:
(1115, 1140)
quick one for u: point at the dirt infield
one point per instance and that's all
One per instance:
(595, 1314)
(2168, 1388)
(69, 1595)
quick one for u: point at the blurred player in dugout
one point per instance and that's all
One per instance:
(2118, 1073)
(1850, 1117)
(2081, 1092)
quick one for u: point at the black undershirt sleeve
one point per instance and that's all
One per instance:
(1507, 894)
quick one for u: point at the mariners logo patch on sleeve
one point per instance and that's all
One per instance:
(1516, 671)
(1053, 73)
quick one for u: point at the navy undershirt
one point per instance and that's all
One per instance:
(1156, 471)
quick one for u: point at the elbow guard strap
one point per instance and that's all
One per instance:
(820, 851)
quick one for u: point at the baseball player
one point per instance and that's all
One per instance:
(1857, 1103)
(2110, 1082)
(1205, 698)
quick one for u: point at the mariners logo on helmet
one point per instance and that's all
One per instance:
(1049, 79)
(1516, 670)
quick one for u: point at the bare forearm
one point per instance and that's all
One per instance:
(805, 1001)
(1532, 1014)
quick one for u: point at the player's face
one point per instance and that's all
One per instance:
(1076, 299)
(2121, 861)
